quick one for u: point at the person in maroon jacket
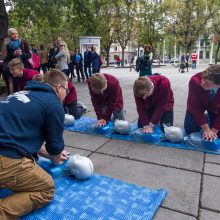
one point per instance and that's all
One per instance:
(106, 97)
(21, 74)
(154, 101)
(71, 106)
(204, 95)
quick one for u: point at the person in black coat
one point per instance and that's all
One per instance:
(87, 62)
(78, 62)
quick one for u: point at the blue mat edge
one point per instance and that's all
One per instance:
(162, 144)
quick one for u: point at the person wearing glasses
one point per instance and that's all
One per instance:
(62, 59)
(204, 96)
(21, 75)
(38, 118)
(106, 97)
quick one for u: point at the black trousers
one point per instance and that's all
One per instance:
(73, 109)
(79, 70)
(166, 119)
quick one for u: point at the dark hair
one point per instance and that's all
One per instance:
(212, 74)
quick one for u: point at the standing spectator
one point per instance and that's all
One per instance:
(78, 61)
(87, 61)
(16, 48)
(154, 101)
(5, 71)
(182, 63)
(187, 62)
(71, 105)
(34, 49)
(143, 63)
(71, 66)
(194, 59)
(131, 63)
(95, 61)
(43, 58)
(118, 60)
(106, 97)
(51, 57)
(61, 58)
(22, 134)
(21, 74)
(204, 95)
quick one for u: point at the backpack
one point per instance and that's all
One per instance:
(36, 60)
(142, 62)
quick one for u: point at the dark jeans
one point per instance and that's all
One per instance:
(191, 126)
(71, 69)
(166, 119)
(79, 69)
(44, 67)
(87, 67)
(73, 109)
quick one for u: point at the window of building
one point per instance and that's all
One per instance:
(202, 42)
(207, 55)
(114, 48)
(200, 54)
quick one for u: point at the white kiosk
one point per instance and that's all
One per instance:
(85, 41)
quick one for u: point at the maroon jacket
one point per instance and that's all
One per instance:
(198, 101)
(28, 74)
(161, 100)
(111, 97)
(72, 96)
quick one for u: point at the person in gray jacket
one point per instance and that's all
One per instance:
(62, 58)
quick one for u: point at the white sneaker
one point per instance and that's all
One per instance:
(80, 104)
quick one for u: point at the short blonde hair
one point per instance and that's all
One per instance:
(212, 74)
(98, 82)
(141, 86)
(15, 64)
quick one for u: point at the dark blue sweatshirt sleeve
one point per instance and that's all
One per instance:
(53, 131)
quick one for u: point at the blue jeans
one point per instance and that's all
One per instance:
(191, 126)
(193, 64)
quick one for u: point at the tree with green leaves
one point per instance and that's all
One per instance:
(3, 23)
(187, 19)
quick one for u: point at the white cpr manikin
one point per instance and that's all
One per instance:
(173, 134)
(79, 166)
(122, 127)
(69, 120)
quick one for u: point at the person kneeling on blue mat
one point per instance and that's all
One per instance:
(27, 119)
(154, 101)
(71, 105)
(204, 95)
(106, 97)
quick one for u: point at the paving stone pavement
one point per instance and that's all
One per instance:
(191, 178)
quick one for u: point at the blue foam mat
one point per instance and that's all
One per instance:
(86, 125)
(98, 198)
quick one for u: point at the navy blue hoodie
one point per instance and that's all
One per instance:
(30, 117)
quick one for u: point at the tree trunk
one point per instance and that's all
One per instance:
(107, 49)
(3, 23)
(123, 56)
(216, 53)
